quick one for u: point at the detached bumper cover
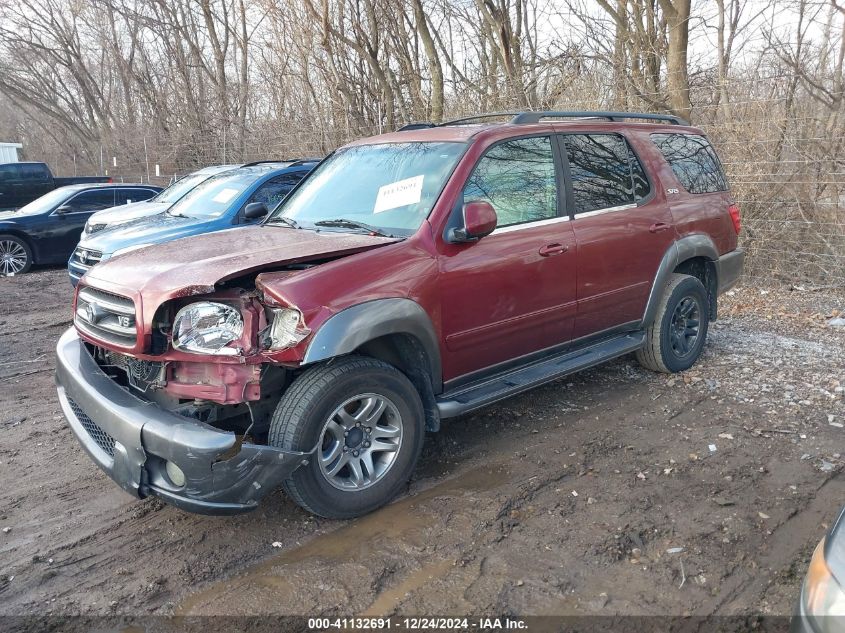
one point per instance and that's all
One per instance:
(729, 269)
(131, 439)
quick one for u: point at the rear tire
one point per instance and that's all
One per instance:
(15, 255)
(367, 421)
(676, 337)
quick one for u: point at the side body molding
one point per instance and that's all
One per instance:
(697, 245)
(347, 330)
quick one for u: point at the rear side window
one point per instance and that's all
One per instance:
(128, 196)
(518, 179)
(274, 191)
(94, 200)
(693, 162)
(604, 172)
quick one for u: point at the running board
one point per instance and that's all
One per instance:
(489, 390)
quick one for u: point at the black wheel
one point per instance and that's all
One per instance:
(366, 419)
(675, 340)
(15, 255)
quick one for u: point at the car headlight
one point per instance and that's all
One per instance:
(207, 328)
(824, 599)
(129, 249)
(287, 328)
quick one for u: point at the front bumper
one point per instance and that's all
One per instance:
(132, 439)
(729, 269)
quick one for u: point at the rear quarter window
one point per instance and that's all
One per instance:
(693, 161)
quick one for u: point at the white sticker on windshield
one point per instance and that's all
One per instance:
(225, 195)
(399, 194)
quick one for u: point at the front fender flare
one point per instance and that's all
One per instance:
(346, 331)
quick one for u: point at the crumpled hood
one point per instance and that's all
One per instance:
(128, 212)
(153, 229)
(195, 264)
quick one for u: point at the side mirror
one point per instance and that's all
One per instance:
(65, 208)
(255, 210)
(479, 220)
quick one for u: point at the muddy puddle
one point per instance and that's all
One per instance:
(338, 565)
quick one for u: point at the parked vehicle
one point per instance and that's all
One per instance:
(46, 231)
(234, 197)
(21, 183)
(412, 277)
(821, 607)
(109, 218)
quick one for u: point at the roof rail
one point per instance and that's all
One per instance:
(416, 126)
(535, 117)
(292, 161)
(304, 161)
(489, 115)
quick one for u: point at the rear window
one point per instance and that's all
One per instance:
(33, 172)
(693, 162)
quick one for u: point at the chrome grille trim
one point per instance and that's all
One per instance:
(106, 316)
(111, 302)
(86, 257)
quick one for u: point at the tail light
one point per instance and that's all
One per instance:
(735, 217)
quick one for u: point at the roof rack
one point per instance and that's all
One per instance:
(293, 161)
(416, 126)
(535, 117)
(489, 115)
(524, 118)
(304, 161)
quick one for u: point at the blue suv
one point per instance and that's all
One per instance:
(237, 197)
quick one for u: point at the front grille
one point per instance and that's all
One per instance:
(106, 316)
(102, 439)
(84, 258)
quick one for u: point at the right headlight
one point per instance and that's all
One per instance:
(287, 328)
(824, 599)
(207, 328)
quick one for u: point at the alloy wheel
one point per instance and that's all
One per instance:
(360, 441)
(13, 257)
(685, 325)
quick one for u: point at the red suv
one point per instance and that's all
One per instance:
(411, 277)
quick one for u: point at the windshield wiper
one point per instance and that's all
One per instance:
(282, 219)
(353, 224)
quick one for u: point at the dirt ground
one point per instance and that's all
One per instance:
(616, 491)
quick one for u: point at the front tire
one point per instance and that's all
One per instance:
(15, 256)
(676, 337)
(367, 421)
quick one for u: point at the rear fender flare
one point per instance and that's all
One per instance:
(349, 329)
(697, 245)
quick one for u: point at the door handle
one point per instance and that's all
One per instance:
(553, 249)
(659, 226)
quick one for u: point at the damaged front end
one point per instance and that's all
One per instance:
(150, 450)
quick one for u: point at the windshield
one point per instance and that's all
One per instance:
(215, 196)
(391, 186)
(48, 201)
(179, 188)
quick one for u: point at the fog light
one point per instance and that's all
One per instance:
(177, 477)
